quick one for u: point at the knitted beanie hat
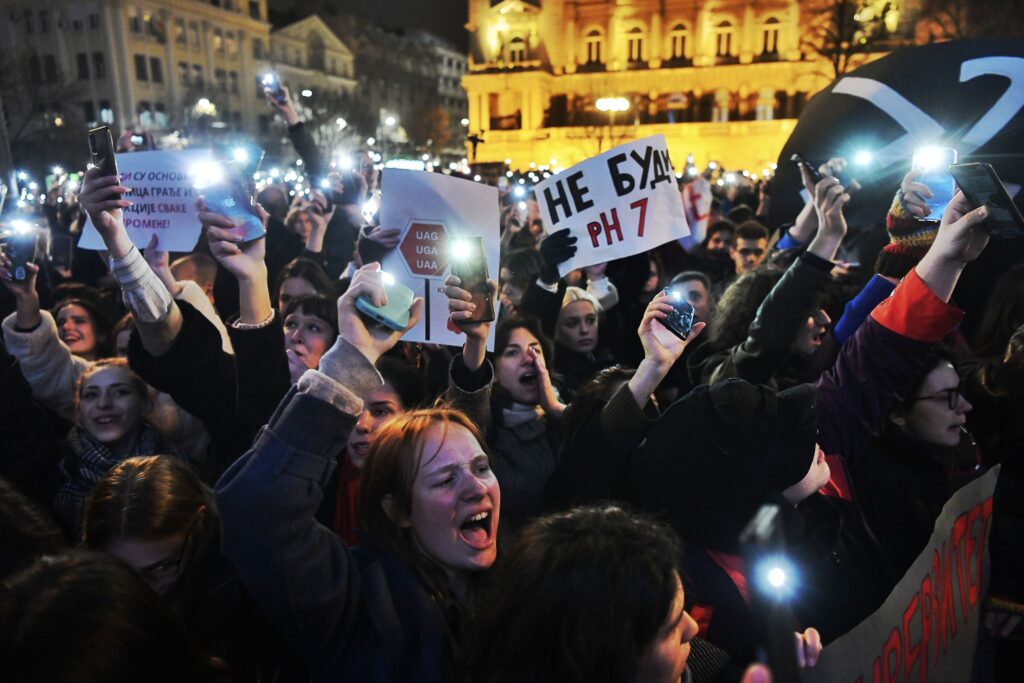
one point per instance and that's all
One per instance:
(909, 240)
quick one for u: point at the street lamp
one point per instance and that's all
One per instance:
(611, 105)
(389, 121)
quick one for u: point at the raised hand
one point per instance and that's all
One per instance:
(913, 194)
(160, 263)
(557, 248)
(372, 341)
(100, 201)
(661, 347)
(461, 307)
(961, 237)
(547, 396)
(829, 199)
(26, 299)
(286, 108)
(808, 648)
(388, 238)
(243, 260)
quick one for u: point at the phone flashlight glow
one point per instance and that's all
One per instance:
(206, 174)
(461, 250)
(388, 278)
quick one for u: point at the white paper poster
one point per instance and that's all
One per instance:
(432, 209)
(164, 201)
(617, 204)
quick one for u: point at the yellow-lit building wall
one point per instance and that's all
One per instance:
(723, 81)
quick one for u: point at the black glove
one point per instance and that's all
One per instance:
(556, 249)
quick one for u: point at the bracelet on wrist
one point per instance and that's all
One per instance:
(238, 325)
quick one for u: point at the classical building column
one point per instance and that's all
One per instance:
(656, 48)
(748, 36)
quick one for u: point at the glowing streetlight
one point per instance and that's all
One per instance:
(341, 123)
(464, 122)
(307, 93)
(612, 104)
(390, 121)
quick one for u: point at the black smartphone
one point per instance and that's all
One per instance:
(981, 185)
(101, 147)
(62, 249)
(272, 82)
(813, 172)
(680, 320)
(469, 264)
(21, 244)
(771, 581)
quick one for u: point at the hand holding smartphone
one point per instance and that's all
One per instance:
(932, 165)
(395, 313)
(982, 187)
(812, 172)
(469, 264)
(272, 82)
(101, 147)
(21, 245)
(226, 185)
(680, 321)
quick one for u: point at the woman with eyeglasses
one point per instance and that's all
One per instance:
(156, 515)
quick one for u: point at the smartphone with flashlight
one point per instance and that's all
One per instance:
(101, 147)
(812, 172)
(272, 82)
(771, 582)
(21, 244)
(982, 187)
(680, 321)
(469, 264)
(225, 182)
(394, 314)
(932, 165)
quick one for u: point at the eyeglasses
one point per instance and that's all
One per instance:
(950, 396)
(172, 568)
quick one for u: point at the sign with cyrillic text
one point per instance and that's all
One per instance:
(927, 629)
(616, 204)
(433, 211)
(164, 200)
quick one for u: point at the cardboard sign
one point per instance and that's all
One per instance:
(432, 209)
(165, 203)
(927, 629)
(617, 204)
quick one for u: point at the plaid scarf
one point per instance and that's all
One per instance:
(88, 462)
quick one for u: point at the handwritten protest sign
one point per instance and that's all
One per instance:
(164, 201)
(617, 204)
(927, 629)
(431, 210)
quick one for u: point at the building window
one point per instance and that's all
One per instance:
(723, 39)
(179, 31)
(30, 26)
(257, 48)
(770, 37)
(135, 21)
(76, 25)
(517, 50)
(635, 44)
(220, 78)
(218, 40)
(44, 21)
(233, 80)
(594, 42)
(141, 68)
(89, 112)
(678, 37)
(99, 65)
(183, 73)
(106, 112)
(82, 60)
(156, 70)
(160, 115)
(50, 68)
(197, 76)
(254, 9)
(94, 22)
(231, 43)
(193, 31)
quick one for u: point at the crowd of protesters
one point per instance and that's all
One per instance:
(215, 468)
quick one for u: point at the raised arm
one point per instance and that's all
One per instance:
(471, 377)
(878, 365)
(297, 570)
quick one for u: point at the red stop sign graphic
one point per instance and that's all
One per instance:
(425, 248)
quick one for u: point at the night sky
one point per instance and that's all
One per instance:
(445, 18)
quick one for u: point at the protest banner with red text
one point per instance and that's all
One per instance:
(617, 204)
(927, 629)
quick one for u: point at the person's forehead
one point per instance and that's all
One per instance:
(748, 242)
(449, 446)
(942, 376)
(522, 337)
(297, 282)
(579, 308)
(301, 318)
(68, 310)
(383, 394)
(692, 285)
(107, 376)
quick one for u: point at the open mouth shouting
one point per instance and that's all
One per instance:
(478, 530)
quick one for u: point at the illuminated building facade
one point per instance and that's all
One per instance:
(722, 80)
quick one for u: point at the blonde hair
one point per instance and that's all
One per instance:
(574, 295)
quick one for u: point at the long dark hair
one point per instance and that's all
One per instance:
(1003, 316)
(579, 596)
(396, 455)
(86, 616)
(738, 306)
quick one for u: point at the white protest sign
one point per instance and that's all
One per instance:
(164, 201)
(927, 629)
(616, 204)
(431, 210)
